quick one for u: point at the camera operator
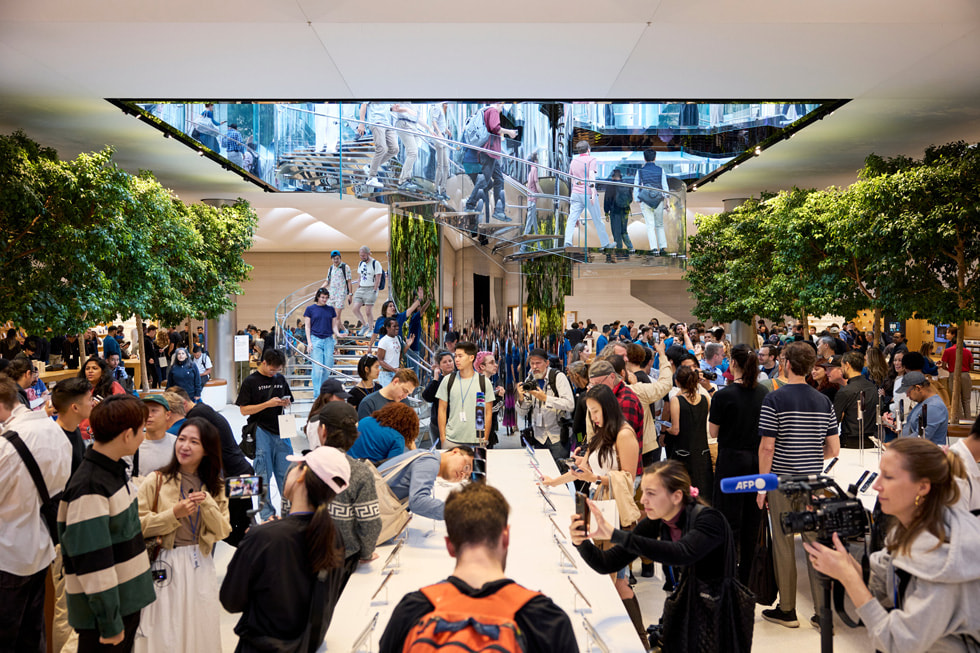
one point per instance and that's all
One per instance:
(927, 580)
(545, 399)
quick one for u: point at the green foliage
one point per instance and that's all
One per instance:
(547, 280)
(903, 240)
(82, 242)
(58, 227)
(414, 259)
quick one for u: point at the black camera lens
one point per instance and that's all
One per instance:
(529, 386)
(799, 522)
(711, 376)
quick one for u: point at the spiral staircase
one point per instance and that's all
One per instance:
(343, 170)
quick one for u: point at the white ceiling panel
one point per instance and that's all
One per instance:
(769, 62)
(501, 11)
(171, 11)
(157, 60)
(524, 61)
(780, 12)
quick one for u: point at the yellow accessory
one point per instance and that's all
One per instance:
(917, 497)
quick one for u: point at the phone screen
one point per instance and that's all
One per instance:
(243, 487)
(582, 508)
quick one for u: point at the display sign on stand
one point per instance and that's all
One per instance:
(241, 349)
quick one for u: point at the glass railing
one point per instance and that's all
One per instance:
(332, 148)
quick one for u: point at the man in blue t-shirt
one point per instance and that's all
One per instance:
(935, 422)
(110, 345)
(321, 322)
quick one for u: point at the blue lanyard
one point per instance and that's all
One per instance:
(197, 518)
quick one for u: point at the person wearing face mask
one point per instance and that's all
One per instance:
(184, 505)
(924, 587)
(183, 373)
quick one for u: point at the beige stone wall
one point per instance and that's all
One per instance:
(277, 274)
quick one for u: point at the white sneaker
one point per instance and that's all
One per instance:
(374, 183)
(367, 170)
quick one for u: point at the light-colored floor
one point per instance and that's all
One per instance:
(767, 637)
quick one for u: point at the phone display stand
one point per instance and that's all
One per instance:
(592, 640)
(580, 605)
(431, 531)
(394, 561)
(565, 561)
(556, 530)
(381, 598)
(363, 643)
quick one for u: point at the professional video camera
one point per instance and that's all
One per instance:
(840, 513)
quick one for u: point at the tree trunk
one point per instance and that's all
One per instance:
(145, 381)
(876, 329)
(804, 320)
(954, 399)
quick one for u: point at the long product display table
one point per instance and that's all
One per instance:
(534, 560)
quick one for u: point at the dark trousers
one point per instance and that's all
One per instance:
(22, 613)
(490, 176)
(238, 510)
(88, 640)
(741, 510)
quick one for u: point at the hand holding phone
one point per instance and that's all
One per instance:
(582, 510)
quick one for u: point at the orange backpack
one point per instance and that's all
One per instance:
(463, 623)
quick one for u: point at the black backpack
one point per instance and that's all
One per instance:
(449, 389)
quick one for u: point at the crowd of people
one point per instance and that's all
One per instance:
(651, 416)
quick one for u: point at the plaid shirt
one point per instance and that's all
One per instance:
(232, 141)
(633, 414)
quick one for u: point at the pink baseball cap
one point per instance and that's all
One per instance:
(329, 464)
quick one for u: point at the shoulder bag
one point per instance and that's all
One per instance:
(706, 616)
(49, 504)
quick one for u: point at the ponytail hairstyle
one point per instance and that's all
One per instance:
(674, 477)
(687, 380)
(744, 356)
(923, 459)
(321, 542)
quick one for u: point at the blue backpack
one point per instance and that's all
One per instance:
(475, 131)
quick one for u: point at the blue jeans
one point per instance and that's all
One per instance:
(321, 351)
(385, 377)
(270, 459)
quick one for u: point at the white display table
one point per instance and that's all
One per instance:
(534, 560)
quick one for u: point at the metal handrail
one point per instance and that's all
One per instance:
(461, 145)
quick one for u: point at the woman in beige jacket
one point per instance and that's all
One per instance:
(184, 507)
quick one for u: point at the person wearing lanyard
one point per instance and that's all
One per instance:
(184, 506)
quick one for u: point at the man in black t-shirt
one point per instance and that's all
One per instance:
(478, 537)
(72, 399)
(262, 397)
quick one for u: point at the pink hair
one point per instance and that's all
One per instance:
(480, 357)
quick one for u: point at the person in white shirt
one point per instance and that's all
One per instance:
(26, 547)
(203, 363)
(369, 273)
(157, 448)
(389, 351)
(968, 449)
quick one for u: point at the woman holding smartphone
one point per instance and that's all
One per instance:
(677, 530)
(273, 577)
(613, 448)
(184, 505)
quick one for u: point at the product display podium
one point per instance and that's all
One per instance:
(541, 557)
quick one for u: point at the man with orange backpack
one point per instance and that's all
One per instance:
(500, 613)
